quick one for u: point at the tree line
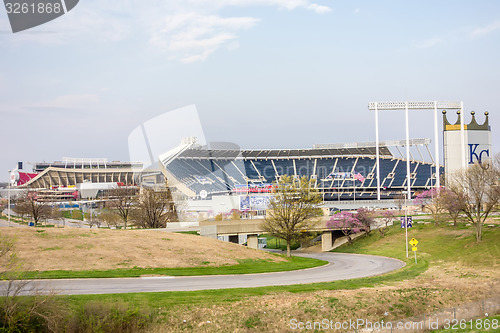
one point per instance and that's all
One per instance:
(122, 207)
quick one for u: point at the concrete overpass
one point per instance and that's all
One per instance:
(252, 228)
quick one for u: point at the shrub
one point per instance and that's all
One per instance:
(102, 317)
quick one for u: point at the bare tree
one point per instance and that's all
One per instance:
(477, 192)
(93, 220)
(21, 208)
(122, 201)
(27, 204)
(57, 214)
(154, 209)
(3, 204)
(451, 204)
(432, 201)
(400, 200)
(110, 218)
(293, 209)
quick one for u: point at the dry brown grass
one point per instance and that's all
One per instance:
(439, 287)
(84, 249)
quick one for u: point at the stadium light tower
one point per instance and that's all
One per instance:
(417, 105)
(8, 202)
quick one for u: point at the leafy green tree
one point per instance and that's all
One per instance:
(293, 209)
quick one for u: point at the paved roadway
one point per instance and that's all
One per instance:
(341, 266)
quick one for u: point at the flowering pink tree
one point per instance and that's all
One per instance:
(387, 216)
(346, 222)
(233, 214)
(366, 217)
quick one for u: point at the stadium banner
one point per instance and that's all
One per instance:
(344, 176)
(254, 188)
(254, 202)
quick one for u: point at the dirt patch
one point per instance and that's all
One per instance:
(84, 249)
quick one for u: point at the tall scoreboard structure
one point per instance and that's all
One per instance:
(467, 144)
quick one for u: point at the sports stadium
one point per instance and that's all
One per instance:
(220, 177)
(339, 171)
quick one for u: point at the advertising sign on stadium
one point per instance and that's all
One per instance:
(254, 188)
(253, 202)
(345, 176)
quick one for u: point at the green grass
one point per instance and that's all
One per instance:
(171, 299)
(446, 243)
(278, 243)
(13, 219)
(247, 266)
(73, 214)
(472, 327)
(193, 232)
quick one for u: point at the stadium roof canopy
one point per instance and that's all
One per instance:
(318, 151)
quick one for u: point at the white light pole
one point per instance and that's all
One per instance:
(8, 194)
(418, 105)
(462, 135)
(436, 147)
(408, 174)
(377, 152)
(406, 227)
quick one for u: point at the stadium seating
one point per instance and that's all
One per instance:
(223, 172)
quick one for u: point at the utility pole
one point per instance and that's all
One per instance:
(8, 191)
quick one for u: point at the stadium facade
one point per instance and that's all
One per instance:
(339, 172)
(220, 177)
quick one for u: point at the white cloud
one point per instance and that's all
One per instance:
(281, 4)
(319, 9)
(478, 32)
(191, 36)
(194, 37)
(187, 30)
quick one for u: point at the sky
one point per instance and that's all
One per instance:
(262, 73)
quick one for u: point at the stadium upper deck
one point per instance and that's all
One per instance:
(339, 171)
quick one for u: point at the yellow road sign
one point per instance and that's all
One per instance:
(413, 242)
(414, 248)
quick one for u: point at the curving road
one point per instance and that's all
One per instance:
(341, 266)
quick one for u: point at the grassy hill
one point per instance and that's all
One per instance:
(445, 244)
(78, 253)
(452, 269)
